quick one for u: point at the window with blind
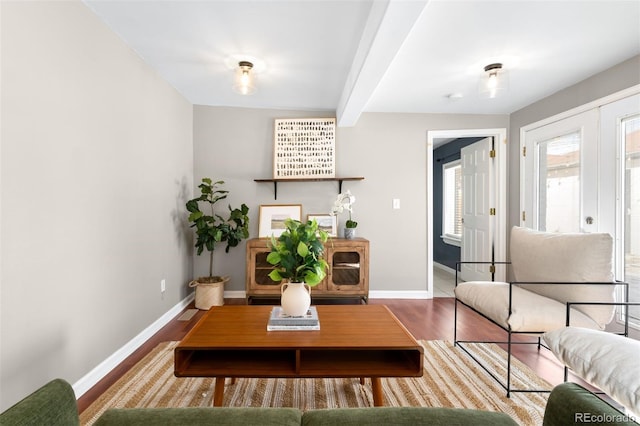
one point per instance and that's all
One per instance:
(452, 202)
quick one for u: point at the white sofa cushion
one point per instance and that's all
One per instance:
(606, 360)
(529, 312)
(552, 257)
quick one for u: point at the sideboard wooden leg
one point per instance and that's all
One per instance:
(218, 392)
(376, 389)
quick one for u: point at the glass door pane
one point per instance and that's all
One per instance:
(346, 268)
(559, 184)
(631, 134)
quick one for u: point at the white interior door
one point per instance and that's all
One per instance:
(477, 213)
(561, 175)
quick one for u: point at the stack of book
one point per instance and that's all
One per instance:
(279, 321)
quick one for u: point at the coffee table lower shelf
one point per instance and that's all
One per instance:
(298, 363)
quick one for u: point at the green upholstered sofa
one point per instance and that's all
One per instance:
(55, 405)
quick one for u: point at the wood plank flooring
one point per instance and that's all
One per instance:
(430, 319)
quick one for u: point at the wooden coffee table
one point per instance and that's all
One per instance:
(353, 341)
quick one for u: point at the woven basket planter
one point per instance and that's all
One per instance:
(208, 293)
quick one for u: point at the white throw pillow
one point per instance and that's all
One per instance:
(608, 361)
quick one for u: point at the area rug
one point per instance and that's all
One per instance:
(451, 379)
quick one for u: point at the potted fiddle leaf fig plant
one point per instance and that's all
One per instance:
(211, 229)
(297, 257)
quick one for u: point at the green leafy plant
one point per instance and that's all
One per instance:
(213, 228)
(297, 253)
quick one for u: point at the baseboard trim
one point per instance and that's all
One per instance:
(384, 294)
(380, 294)
(235, 294)
(106, 366)
(444, 268)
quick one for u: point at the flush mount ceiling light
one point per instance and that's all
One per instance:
(244, 81)
(494, 81)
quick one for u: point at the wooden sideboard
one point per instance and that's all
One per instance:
(347, 276)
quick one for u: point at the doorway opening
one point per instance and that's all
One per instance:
(439, 138)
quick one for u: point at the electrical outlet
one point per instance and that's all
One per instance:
(163, 285)
(396, 203)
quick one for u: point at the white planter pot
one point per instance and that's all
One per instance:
(295, 298)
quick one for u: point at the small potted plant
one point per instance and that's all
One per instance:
(210, 230)
(345, 202)
(297, 257)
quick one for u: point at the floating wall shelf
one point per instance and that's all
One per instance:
(336, 179)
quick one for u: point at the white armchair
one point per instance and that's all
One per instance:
(550, 270)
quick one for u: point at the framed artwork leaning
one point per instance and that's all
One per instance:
(272, 217)
(326, 222)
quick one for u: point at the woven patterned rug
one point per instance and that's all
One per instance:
(451, 379)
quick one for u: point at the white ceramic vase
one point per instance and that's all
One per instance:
(295, 298)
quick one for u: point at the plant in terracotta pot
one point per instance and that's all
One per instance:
(211, 229)
(297, 257)
(345, 202)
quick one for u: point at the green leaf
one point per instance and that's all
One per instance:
(195, 216)
(302, 249)
(312, 278)
(192, 206)
(207, 181)
(273, 258)
(275, 275)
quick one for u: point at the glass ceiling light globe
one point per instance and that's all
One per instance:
(244, 81)
(494, 81)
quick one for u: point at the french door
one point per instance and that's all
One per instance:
(620, 136)
(582, 174)
(561, 179)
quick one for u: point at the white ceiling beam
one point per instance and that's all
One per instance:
(389, 24)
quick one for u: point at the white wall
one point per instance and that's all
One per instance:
(389, 150)
(96, 164)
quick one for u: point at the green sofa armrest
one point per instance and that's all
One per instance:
(54, 404)
(223, 416)
(571, 404)
(409, 416)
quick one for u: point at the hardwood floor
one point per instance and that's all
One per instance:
(430, 319)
